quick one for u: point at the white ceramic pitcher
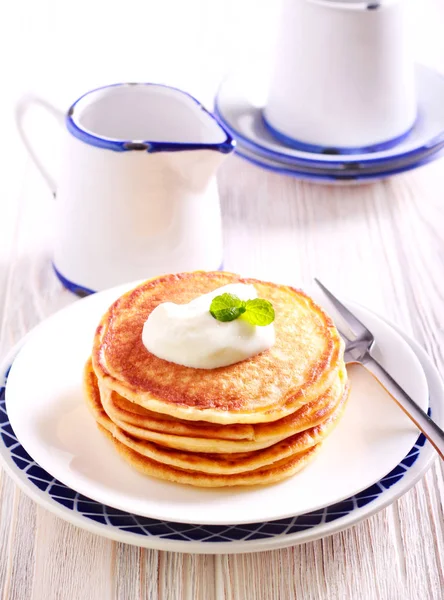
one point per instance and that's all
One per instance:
(136, 196)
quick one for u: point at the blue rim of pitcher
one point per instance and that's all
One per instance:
(336, 150)
(116, 145)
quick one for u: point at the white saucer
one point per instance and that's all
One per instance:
(329, 176)
(48, 415)
(242, 96)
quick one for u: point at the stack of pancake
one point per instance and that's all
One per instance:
(254, 422)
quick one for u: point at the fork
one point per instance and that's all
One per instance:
(361, 346)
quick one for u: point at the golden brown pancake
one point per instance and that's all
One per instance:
(220, 464)
(265, 475)
(272, 473)
(124, 413)
(264, 434)
(198, 436)
(303, 363)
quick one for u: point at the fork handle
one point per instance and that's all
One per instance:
(423, 422)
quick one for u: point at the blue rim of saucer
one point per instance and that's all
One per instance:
(335, 150)
(126, 522)
(340, 177)
(345, 163)
(143, 145)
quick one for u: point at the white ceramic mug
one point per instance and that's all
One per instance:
(136, 196)
(343, 76)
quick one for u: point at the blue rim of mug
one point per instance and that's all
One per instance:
(335, 150)
(338, 164)
(333, 178)
(80, 290)
(116, 145)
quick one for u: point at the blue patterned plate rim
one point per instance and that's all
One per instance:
(164, 535)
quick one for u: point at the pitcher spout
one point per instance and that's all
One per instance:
(194, 171)
(183, 123)
(201, 143)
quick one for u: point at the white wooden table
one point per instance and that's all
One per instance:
(382, 244)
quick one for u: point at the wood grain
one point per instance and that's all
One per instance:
(381, 244)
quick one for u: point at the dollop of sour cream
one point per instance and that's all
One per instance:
(187, 334)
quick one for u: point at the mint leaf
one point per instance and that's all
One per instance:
(227, 307)
(228, 314)
(259, 312)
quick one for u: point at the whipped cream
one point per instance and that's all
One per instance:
(187, 334)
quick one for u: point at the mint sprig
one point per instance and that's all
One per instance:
(259, 312)
(228, 307)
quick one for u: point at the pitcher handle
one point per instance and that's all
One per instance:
(24, 104)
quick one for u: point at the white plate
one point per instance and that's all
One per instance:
(49, 416)
(124, 527)
(242, 96)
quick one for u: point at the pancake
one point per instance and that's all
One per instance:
(266, 475)
(264, 434)
(303, 363)
(124, 412)
(220, 464)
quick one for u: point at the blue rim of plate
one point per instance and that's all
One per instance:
(340, 177)
(123, 522)
(345, 160)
